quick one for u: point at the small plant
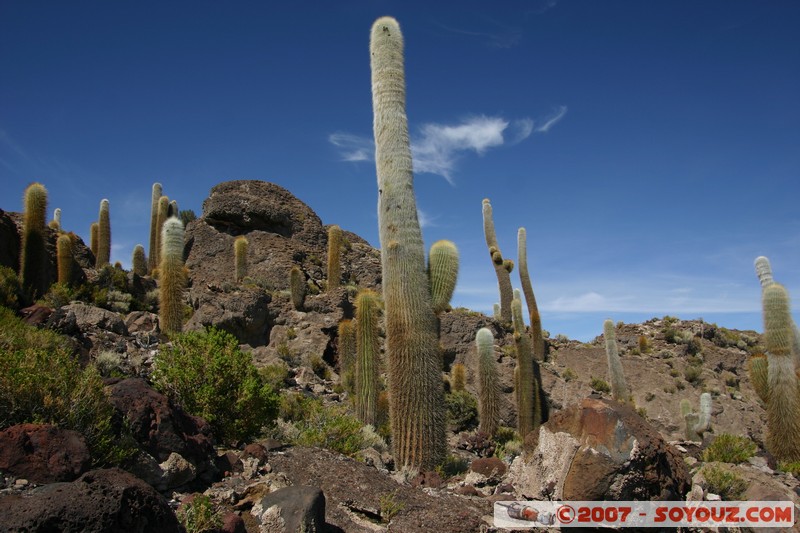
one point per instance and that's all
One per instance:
(693, 374)
(674, 372)
(315, 424)
(320, 367)
(600, 385)
(728, 448)
(274, 375)
(462, 409)
(569, 374)
(453, 465)
(200, 516)
(291, 334)
(109, 364)
(389, 506)
(727, 484)
(644, 345)
(649, 397)
(10, 288)
(791, 467)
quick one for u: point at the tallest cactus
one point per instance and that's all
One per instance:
(416, 399)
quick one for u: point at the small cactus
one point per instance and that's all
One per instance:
(94, 236)
(501, 267)
(64, 259)
(347, 354)
(103, 236)
(240, 246)
(173, 211)
(367, 353)
(172, 277)
(443, 273)
(496, 311)
(334, 257)
(619, 387)
(55, 224)
(697, 423)
(152, 260)
(138, 261)
(34, 259)
(459, 377)
(489, 388)
(297, 287)
(764, 271)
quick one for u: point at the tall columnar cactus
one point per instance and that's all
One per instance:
(172, 276)
(501, 266)
(526, 389)
(94, 236)
(619, 387)
(173, 209)
(367, 352)
(416, 392)
(488, 384)
(103, 236)
(297, 287)
(34, 259)
(334, 257)
(347, 354)
(757, 367)
(458, 375)
(764, 273)
(537, 338)
(240, 246)
(697, 423)
(138, 261)
(496, 311)
(55, 224)
(64, 258)
(152, 259)
(443, 273)
(162, 214)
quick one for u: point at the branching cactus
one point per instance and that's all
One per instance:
(138, 261)
(443, 273)
(347, 354)
(297, 287)
(334, 257)
(416, 392)
(240, 246)
(172, 277)
(459, 377)
(619, 387)
(94, 237)
(64, 258)
(501, 267)
(367, 352)
(526, 389)
(34, 259)
(697, 423)
(55, 224)
(152, 261)
(537, 338)
(488, 384)
(103, 236)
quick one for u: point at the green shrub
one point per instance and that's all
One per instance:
(599, 385)
(314, 424)
(10, 288)
(210, 377)
(275, 375)
(200, 516)
(462, 409)
(41, 382)
(389, 506)
(721, 481)
(569, 374)
(728, 448)
(693, 374)
(453, 465)
(320, 367)
(58, 295)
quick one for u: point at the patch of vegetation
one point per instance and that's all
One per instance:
(212, 378)
(109, 364)
(200, 516)
(569, 374)
(693, 374)
(10, 288)
(275, 375)
(649, 397)
(673, 372)
(320, 367)
(644, 345)
(727, 484)
(453, 465)
(790, 467)
(389, 506)
(599, 385)
(291, 333)
(462, 409)
(728, 448)
(41, 382)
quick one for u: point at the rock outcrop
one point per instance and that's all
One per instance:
(43, 453)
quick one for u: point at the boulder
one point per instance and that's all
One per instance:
(600, 450)
(242, 313)
(296, 509)
(100, 501)
(86, 318)
(43, 453)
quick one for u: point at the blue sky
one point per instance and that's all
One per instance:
(651, 149)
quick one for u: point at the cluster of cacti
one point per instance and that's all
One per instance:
(619, 387)
(367, 353)
(414, 366)
(103, 256)
(139, 261)
(33, 260)
(502, 267)
(537, 338)
(172, 276)
(153, 249)
(697, 423)
(64, 258)
(347, 353)
(488, 384)
(443, 273)
(297, 287)
(458, 374)
(240, 246)
(55, 224)
(334, 257)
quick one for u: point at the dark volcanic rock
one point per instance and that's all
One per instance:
(291, 509)
(43, 453)
(9, 241)
(100, 501)
(245, 314)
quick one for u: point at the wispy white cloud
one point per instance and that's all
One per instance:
(502, 37)
(552, 120)
(425, 220)
(353, 147)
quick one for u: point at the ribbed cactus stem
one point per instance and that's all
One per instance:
(162, 214)
(416, 392)
(64, 259)
(152, 259)
(697, 423)
(172, 276)
(526, 389)
(443, 273)
(138, 261)
(55, 224)
(757, 368)
(459, 377)
(619, 387)
(764, 271)
(173, 209)
(537, 338)
(297, 287)
(500, 267)
(704, 423)
(347, 354)
(334, 257)
(240, 246)
(496, 311)
(488, 384)
(783, 405)
(103, 235)
(34, 259)
(367, 353)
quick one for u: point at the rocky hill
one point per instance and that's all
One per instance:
(590, 446)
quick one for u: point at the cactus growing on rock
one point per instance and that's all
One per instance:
(138, 261)
(488, 384)
(172, 277)
(458, 374)
(764, 271)
(64, 258)
(526, 389)
(34, 259)
(55, 224)
(152, 259)
(94, 235)
(537, 338)
(619, 387)
(367, 352)
(334, 257)
(103, 256)
(162, 214)
(297, 287)
(347, 353)
(240, 246)
(757, 368)
(416, 392)
(501, 267)
(443, 273)
(697, 423)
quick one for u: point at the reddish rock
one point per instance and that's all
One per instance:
(43, 453)
(489, 467)
(232, 523)
(36, 314)
(255, 450)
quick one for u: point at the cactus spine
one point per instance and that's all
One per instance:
(525, 387)
(496, 311)
(443, 273)
(416, 393)
(240, 246)
(537, 338)
(55, 224)
(64, 258)
(347, 354)
(334, 257)
(488, 385)
(94, 235)
(501, 267)
(783, 405)
(172, 276)
(162, 214)
(152, 259)
(34, 260)
(138, 261)
(173, 211)
(297, 287)
(697, 423)
(757, 367)
(103, 256)
(619, 387)
(764, 271)
(367, 350)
